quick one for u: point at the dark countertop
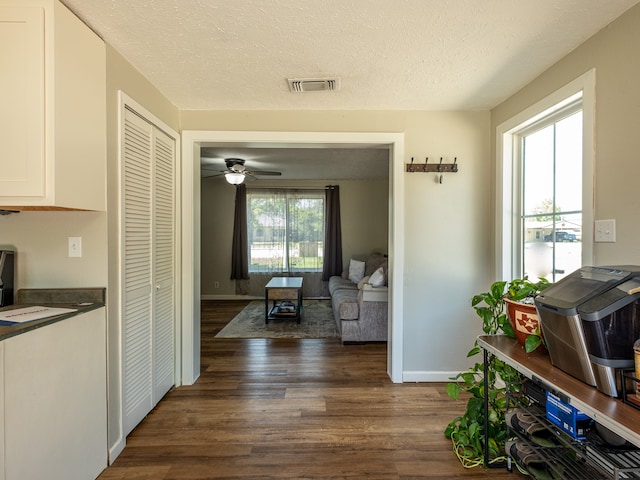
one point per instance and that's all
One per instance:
(80, 299)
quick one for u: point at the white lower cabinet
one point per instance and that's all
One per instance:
(55, 413)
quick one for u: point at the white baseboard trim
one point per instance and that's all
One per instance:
(248, 297)
(115, 450)
(229, 297)
(428, 376)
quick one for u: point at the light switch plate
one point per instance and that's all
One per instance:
(605, 231)
(75, 246)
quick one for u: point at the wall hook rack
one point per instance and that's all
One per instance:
(432, 167)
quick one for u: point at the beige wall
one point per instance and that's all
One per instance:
(41, 242)
(364, 213)
(446, 239)
(613, 52)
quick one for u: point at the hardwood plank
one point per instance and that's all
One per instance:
(292, 409)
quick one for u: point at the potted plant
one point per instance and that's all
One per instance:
(522, 312)
(467, 431)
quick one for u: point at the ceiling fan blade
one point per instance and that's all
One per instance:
(213, 175)
(263, 172)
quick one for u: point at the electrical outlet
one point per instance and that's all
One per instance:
(216, 284)
(605, 231)
(75, 246)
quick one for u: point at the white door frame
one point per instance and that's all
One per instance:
(191, 141)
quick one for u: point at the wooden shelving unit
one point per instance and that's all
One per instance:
(612, 413)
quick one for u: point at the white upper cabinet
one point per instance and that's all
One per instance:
(53, 115)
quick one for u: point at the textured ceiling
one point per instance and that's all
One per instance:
(401, 54)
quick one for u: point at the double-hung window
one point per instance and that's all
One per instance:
(545, 179)
(285, 230)
(551, 194)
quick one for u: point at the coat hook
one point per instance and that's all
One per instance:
(440, 178)
(440, 166)
(424, 167)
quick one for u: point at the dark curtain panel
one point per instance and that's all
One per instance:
(240, 247)
(332, 262)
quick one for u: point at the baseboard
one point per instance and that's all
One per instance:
(248, 297)
(428, 376)
(229, 297)
(116, 449)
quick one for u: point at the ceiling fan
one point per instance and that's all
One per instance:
(236, 171)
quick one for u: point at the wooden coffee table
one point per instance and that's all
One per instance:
(286, 295)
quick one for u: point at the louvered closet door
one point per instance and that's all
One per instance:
(148, 292)
(137, 252)
(164, 266)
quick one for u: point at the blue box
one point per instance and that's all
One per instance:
(568, 418)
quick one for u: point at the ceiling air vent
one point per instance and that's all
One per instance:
(313, 84)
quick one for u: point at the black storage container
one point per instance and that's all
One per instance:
(611, 324)
(7, 275)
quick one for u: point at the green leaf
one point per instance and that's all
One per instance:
(469, 378)
(497, 290)
(531, 343)
(473, 351)
(453, 390)
(508, 329)
(474, 430)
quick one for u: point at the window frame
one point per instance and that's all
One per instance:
(508, 234)
(289, 194)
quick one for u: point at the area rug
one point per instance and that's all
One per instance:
(317, 322)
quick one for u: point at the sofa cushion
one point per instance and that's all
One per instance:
(345, 304)
(373, 262)
(377, 278)
(337, 283)
(356, 270)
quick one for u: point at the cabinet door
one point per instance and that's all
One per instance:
(55, 396)
(22, 163)
(148, 267)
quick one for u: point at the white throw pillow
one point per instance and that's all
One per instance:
(377, 278)
(356, 270)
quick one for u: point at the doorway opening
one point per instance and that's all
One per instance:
(192, 143)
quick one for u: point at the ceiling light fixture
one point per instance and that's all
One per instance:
(234, 178)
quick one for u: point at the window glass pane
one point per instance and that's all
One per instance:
(553, 254)
(306, 232)
(569, 163)
(538, 171)
(552, 198)
(285, 230)
(266, 230)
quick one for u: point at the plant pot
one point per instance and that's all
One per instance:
(524, 319)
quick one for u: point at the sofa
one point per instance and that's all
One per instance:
(359, 300)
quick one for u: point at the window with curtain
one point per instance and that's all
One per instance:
(285, 230)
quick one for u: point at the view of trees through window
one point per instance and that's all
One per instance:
(285, 230)
(552, 197)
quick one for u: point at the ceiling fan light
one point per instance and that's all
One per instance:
(234, 178)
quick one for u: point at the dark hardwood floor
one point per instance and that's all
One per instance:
(293, 409)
